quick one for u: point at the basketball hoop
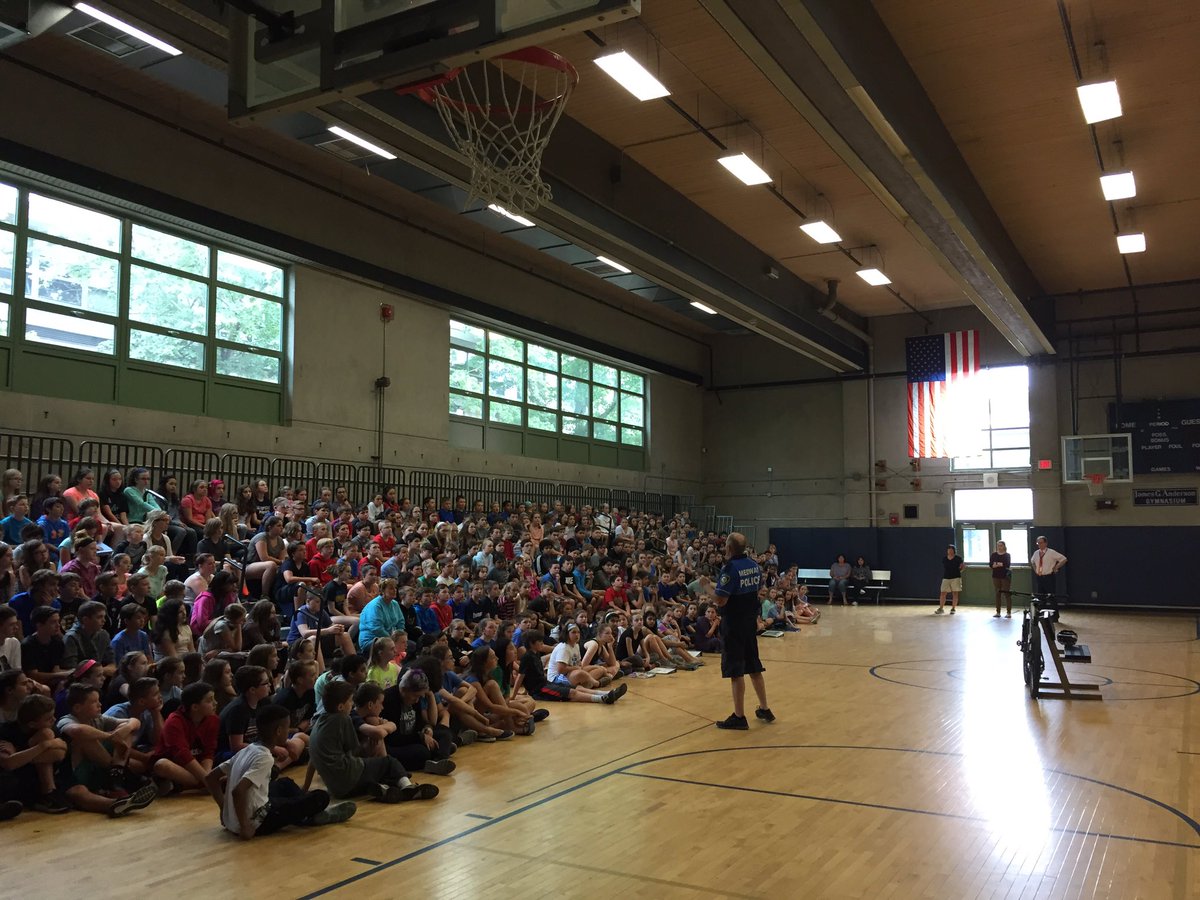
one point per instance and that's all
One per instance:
(499, 114)
(1096, 483)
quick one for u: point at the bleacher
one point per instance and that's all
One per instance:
(818, 582)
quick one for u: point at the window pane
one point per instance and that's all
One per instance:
(462, 405)
(8, 204)
(631, 436)
(504, 380)
(466, 371)
(1016, 543)
(168, 250)
(70, 277)
(978, 461)
(631, 410)
(166, 350)
(168, 301)
(605, 432)
(543, 357)
(1004, 438)
(507, 347)
(464, 335)
(65, 220)
(543, 389)
(504, 412)
(1010, 459)
(604, 404)
(544, 421)
(3, 320)
(604, 375)
(572, 425)
(241, 364)
(993, 504)
(576, 396)
(575, 365)
(7, 241)
(631, 382)
(1008, 393)
(249, 273)
(249, 320)
(68, 332)
(977, 547)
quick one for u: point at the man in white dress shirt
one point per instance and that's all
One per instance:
(1046, 563)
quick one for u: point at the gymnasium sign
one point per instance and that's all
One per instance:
(1166, 496)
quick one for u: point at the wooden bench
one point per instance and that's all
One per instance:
(818, 581)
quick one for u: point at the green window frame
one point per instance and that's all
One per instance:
(541, 388)
(100, 287)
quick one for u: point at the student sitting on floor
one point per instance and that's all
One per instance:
(298, 695)
(30, 754)
(252, 802)
(418, 742)
(351, 668)
(458, 698)
(188, 742)
(311, 618)
(145, 706)
(533, 678)
(383, 669)
(335, 754)
(239, 720)
(132, 635)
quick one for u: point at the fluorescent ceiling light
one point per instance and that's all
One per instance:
(500, 210)
(632, 75)
(1131, 243)
(116, 23)
(615, 265)
(1100, 101)
(873, 277)
(362, 142)
(1118, 186)
(704, 309)
(820, 232)
(745, 168)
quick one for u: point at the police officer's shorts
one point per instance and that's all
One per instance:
(739, 653)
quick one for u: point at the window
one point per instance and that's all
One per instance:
(86, 280)
(990, 420)
(993, 504)
(500, 378)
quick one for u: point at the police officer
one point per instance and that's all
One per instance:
(737, 599)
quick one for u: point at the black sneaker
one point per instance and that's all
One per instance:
(10, 809)
(540, 714)
(334, 813)
(418, 792)
(620, 691)
(139, 799)
(439, 767)
(51, 803)
(735, 723)
(765, 714)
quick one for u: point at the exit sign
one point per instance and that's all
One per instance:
(1045, 464)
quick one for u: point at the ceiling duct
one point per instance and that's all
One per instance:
(23, 19)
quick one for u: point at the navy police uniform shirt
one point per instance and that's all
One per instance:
(740, 580)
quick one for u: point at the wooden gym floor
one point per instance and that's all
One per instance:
(907, 761)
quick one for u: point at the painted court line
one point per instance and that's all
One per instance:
(364, 860)
(478, 816)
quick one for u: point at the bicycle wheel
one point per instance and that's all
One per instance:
(1036, 662)
(1024, 645)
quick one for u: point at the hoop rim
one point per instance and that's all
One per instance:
(537, 56)
(1096, 477)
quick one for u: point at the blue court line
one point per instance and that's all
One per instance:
(904, 809)
(477, 816)
(364, 860)
(625, 769)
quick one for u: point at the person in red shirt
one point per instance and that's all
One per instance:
(185, 749)
(321, 566)
(196, 508)
(444, 609)
(84, 564)
(320, 532)
(385, 539)
(616, 597)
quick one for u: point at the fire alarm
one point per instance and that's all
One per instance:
(387, 312)
(893, 519)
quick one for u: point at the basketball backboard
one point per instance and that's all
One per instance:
(1097, 454)
(298, 54)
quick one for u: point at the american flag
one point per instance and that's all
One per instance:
(935, 362)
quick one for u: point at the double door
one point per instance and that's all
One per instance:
(977, 541)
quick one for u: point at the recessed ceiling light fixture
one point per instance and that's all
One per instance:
(745, 169)
(615, 265)
(1132, 243)
(1100, 101)
(1118, 186)
(362, 142)
(704, 309)
(873, 277)
(501, 211)
(101, 16)
(820, 232)
(632, 75)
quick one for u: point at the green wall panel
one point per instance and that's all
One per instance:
(65, 376)
(603, 455)
(466, 435)
(4, 356)
(573, 451)
(247, 404)
(542, 446)
(160, 390)
(631, 459)
(499, 440)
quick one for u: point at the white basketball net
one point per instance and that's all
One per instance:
(500, 114)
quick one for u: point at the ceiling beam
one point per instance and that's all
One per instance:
(837, 64)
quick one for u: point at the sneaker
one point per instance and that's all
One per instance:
(528, 728)
(1008, 615)
(610, 698)
(505, 735)
(605, 680)
(734, 723)
(386, 793)
(10, 809)
(467, 736)
(765, 714)
(439, 767)
(953, 610)
(164, 786)
(486, 739)
(996, 616)
(540, 715)
(419, 792)
(139, 799)
(939, 611)
(51, 803)
(334, 813)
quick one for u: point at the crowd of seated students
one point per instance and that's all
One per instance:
(152, 643)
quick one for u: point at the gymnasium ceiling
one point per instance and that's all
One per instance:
(943, 140)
